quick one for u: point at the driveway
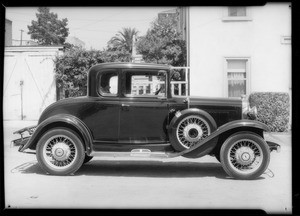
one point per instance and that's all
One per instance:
(146, 183)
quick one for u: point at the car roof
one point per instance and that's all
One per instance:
(128, 65)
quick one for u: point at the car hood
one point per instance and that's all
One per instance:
(215, 101)
(222, 110)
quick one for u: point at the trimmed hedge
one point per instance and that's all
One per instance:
(273, 109)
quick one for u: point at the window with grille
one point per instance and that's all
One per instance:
(237, 74)
(237, 11)
(236, 14)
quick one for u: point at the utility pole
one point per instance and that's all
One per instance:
(133, 52)
(21, 85)
(21, 36)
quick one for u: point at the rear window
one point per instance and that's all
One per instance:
(108, 83)
(145, 83)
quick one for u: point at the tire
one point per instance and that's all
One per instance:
(87, 159)
(189, 129)
(60, 152)
(245, 155)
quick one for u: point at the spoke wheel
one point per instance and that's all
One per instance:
(191, 130)
(60, 152)
(245, 155)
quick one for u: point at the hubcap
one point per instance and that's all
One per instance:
(59, 152)
(191, 130)
(245, 156)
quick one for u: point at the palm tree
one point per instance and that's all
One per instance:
(123, 39)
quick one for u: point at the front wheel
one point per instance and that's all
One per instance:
(60, 152)
(245, 155)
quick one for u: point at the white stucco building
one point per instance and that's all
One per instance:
(29, 81)
(239, 50)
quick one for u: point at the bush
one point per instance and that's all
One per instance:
(72, 67)
(273, 109)
(71, 70)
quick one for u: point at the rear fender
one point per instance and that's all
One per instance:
(64, 120)
(208, 143)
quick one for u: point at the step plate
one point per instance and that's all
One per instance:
(142, 153)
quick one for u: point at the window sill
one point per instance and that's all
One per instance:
(234, 19)
(144, 96)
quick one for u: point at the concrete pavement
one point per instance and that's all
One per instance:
(144, 183)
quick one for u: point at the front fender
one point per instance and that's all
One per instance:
(64, 119)
(224, 128)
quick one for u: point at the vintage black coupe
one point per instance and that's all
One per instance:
(129, 111)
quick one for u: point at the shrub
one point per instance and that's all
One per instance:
(71, 70)
(273, 109)
(72, 67)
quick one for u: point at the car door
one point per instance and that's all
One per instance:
(104, 123)
(144, 107)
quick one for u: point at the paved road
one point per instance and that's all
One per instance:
(132, 183)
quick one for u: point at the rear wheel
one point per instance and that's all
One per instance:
(245, 155)
(60, 152)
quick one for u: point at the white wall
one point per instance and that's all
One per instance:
(34, 67)
(212, 39)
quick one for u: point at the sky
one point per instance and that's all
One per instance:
(95, 26)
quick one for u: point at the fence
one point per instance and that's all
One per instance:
(178, 88)
(181, 88)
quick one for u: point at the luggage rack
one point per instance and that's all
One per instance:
(23, 140)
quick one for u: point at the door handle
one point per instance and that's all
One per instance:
(125, 105)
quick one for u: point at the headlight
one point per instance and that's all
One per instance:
(252, 113)
(248, 113)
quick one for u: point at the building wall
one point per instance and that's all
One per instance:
(29, 81)
(212, 39)
(8, 32)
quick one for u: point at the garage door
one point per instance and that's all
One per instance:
(12, 91)
(29, 84)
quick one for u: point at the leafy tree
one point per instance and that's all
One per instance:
(123, 40)
(163, 43)
(72, 67)
(119, 55)
(48, 29)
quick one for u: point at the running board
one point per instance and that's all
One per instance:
(142, 153)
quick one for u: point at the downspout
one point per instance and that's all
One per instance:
(187, 40)
(187, 31)
(21, 85)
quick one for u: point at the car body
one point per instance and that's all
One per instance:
(129, 111)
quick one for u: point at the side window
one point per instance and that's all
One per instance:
(108, 83)
(145, 83)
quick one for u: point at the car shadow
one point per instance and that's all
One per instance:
(159, 169)
(134, 168)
